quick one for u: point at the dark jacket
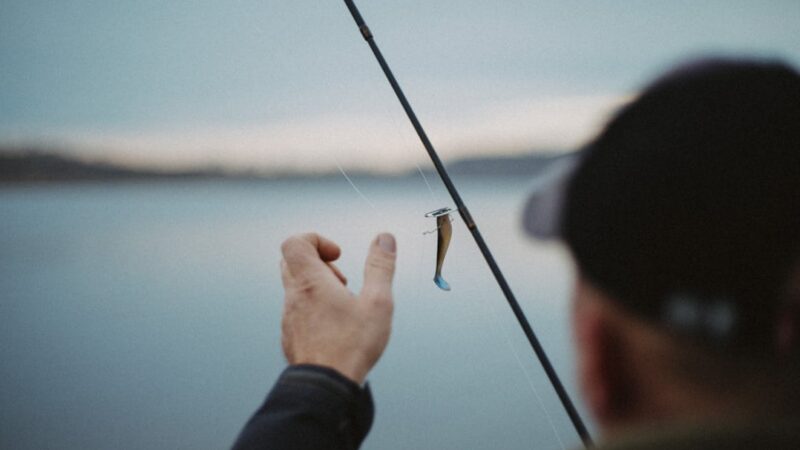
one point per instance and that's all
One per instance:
(310, 407)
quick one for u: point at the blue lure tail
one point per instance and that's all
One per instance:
(443, 285)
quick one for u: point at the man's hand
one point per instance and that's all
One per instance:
(323, 322)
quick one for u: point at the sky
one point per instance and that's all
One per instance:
(291, 85)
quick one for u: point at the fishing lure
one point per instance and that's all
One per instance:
(444, 231)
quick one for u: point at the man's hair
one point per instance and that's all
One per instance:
(686, 208)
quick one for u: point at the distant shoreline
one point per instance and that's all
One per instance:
(47, 167)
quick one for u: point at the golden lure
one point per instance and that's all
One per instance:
(444, 231)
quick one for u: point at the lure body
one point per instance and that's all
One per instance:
(444, 231)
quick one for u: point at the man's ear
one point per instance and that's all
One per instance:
(602, 359)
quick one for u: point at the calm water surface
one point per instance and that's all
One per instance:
(146, 316)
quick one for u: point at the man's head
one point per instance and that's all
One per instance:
(683, 217)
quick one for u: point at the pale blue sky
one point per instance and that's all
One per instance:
(291, 83)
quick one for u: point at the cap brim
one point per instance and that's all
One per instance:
(542, 214)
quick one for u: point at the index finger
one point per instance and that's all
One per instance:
(309, 252)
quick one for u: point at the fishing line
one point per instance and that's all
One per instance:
(353, 185)
(393, 135)
(425, 179)
(528, 377)
(408, 144)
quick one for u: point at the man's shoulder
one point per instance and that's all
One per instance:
(778, 434)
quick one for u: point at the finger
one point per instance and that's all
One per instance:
(286, 277)
(326, 248)
(307, 255)
(338, 273)
(379, 268)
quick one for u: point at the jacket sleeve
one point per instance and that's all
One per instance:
(310, 407)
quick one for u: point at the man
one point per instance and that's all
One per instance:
(683, 218)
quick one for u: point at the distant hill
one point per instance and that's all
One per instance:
(37, 166)
(526, 165)
(41, 166)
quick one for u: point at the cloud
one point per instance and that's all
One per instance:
(373, 142)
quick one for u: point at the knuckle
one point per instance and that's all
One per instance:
(309, 237)
(381, 312)
(382, 264)
(297, 245)
(381, 300)
(305, 286)
(289, 244)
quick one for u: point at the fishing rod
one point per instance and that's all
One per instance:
(580, 428)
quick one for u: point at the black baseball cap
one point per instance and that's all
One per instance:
(686, 207)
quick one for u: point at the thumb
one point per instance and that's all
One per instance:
(379, 268)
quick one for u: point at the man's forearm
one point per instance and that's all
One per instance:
(310, 407)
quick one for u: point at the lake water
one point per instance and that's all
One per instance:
(146, 315)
